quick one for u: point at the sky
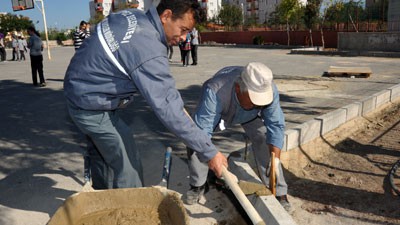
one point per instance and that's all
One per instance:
(60, 14)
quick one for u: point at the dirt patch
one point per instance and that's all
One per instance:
(342, 178)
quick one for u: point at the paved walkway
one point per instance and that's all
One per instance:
(40, 149)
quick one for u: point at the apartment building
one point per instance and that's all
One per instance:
(105, 7)
(394, 15)
(260, 10)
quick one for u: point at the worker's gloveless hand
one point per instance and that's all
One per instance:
(216, 163)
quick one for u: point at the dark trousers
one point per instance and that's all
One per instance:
(3, 54)
(170, 51)
(22, 54)
(15, 54)
(194, 54)
(37, 67)
(185, 57)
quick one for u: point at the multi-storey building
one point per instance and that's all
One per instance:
(211, 7)
(105, 7)
(394, 15)
(259, 10)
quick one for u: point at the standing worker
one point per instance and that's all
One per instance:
(246, 96)
(35, 46)
(128, 53)
(81, 34)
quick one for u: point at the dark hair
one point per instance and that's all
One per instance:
(180, 7)
(82, 23)
(34, 31)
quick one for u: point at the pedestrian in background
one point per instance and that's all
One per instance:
(3, 53)
(81, 33)
(15, 51)
(22, 47)
(35, 46)
(185, 50)
(194, 44)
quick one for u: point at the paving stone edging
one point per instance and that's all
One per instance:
(321, 125)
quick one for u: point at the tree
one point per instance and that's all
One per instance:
(311, 16)
(10, 22)
(231, 15)
(288, 11)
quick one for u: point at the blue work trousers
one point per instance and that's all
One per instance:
(114, 149)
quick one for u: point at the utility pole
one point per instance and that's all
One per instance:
(45, 27)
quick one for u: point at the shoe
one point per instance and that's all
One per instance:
(195, 194)
(42, 84)
(193, 64)
(284, 202)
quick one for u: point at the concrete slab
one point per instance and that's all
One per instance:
(332, 120)
(382, 97)
(352, 110)
(368, 104)
(394, 92)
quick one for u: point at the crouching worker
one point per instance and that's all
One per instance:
(246, 96)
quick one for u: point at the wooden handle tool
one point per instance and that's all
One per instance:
(232, 181)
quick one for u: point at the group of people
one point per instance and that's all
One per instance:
(125, 57)
(20, 46)
(187, 47)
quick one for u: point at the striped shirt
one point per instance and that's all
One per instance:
(79, 37)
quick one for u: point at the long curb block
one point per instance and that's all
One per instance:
(270, 210)
(321, 125)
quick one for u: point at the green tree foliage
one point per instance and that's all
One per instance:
(289, 11)
(340, 12)
(230, 16)
(378, 11)
(310, 16)
(10, 22)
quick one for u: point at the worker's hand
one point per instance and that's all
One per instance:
(216, 163)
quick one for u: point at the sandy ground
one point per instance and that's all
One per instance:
(342, 178)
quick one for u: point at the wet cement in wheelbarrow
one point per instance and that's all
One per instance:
(126, 216)
(132, 206)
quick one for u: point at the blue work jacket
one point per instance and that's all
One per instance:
(219, 102)
(128, 53)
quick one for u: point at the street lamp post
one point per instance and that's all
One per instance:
(45, 28)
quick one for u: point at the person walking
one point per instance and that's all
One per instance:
(81, 33)
(194, 44)
(186, 50)
(246, 96)
(22, 48)
(3, 53)
(15, 51)
(35, 46)
(123, 58)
